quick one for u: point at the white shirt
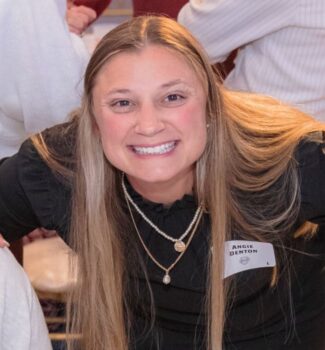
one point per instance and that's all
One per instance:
(282, 46)
(22, 325)
(41, 69)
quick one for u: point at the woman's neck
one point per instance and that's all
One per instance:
(163, 192)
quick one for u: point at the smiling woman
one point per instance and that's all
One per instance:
(157, 175)
(149, 107)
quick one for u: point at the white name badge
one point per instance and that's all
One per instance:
(247, 255)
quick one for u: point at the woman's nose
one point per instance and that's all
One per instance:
(149, 121)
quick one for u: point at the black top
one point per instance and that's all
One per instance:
(260, 317)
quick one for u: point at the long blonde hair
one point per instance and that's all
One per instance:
(250, 148)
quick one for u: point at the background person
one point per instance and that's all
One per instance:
(22, 322)
(281, 46)
(81, 12)
(41, 67)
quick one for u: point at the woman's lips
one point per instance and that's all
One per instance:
(155, 150)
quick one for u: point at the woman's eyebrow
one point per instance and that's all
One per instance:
(163, 86)
(172, 83)
(118, 91)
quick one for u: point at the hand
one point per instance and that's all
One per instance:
(38, 233)
(79, 18)
(3, 242)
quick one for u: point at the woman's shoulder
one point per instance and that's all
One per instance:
(310, 157)
(311, 150)
(49, 153)
(60, 139)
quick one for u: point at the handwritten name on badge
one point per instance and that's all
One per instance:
(247, 255)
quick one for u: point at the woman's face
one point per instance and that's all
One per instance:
(150, 109)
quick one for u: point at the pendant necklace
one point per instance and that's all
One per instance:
(166, 279)
(179, 244)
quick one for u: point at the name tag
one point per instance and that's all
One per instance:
(247, 255)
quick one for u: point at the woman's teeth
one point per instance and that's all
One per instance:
(161, 149)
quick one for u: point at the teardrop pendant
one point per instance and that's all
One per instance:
(166, 280)
(179, 246)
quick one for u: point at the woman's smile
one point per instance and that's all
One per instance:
(161, 149)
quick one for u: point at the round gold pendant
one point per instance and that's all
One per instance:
(179, 246)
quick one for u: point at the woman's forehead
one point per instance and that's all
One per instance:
(154, 58)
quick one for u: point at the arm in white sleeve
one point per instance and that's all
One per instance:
(225, 25)
(22, 322)
(41, 68)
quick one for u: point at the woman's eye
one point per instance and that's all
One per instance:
(174, 97)
(121, 105)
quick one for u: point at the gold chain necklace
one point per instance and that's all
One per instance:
(166, 279)
(179, 244)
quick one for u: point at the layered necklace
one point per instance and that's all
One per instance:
(179, 245)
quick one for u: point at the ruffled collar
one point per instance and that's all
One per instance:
(186, 202)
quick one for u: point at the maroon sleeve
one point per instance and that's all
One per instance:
(158, 7)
